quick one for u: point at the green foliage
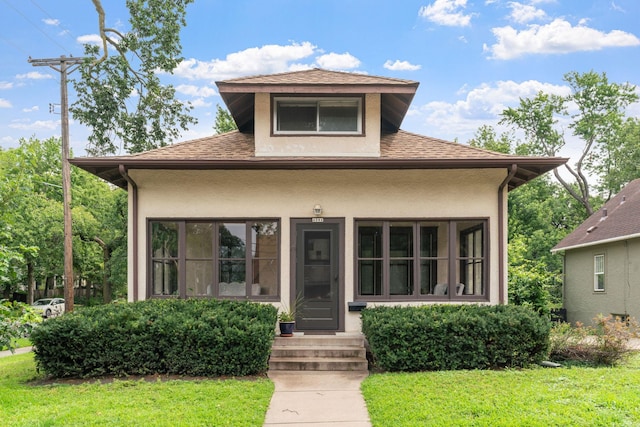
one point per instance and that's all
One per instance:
(605, 342)
(224, 121)
(17, 320)
(120, 96)
(486, 138)
(449, 337)
(31, 220)
(187, 337)
(598, 123)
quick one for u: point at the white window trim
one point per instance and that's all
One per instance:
(597, 273)
(316, 99)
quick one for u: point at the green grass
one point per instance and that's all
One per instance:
(22, 342)
(131, 403)
(575, 396)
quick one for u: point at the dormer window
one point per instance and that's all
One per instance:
(317, 116)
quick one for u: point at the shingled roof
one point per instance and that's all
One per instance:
(235, 150)
(618, 219)
(395, 94)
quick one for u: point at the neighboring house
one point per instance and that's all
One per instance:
(319, 195)
(602, 260)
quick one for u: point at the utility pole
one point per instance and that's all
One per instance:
(64, 66)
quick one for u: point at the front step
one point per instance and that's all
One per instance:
(318, 353)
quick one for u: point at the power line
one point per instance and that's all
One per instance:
(35, 26)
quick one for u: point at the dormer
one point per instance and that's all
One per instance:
(316, 112)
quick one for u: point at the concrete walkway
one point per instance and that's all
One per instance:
(20, 350)
(318, 399)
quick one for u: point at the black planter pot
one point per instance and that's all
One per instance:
(286, 329)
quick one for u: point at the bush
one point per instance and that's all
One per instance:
(447, 337)
(606, 342)
(17, 320)
(186, 337)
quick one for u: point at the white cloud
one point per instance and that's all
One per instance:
(479, 106)
(5, 103)
(398, 65)
(447, 12)
(50, 21)
(338, 61)
(37, 125)
(34, 75)
(30, 110)
(557, 37)
(201, 103)
(6, 85)
(523, 13)
(196, 91)
(90, 39)
(267, 59)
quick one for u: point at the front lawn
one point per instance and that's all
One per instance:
(575, 396)
(132, 403)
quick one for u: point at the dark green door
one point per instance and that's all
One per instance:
(317, 276)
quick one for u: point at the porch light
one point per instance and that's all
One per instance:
(317, 210)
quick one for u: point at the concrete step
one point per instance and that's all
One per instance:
(323, 351)
(317, 364)
(320, 340)
(319, 353)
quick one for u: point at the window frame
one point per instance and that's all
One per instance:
(215, 259)
(275, 99)
(453, 259)
(599, 274)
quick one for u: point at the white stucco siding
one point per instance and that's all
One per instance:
(366, 145)
(354, 194)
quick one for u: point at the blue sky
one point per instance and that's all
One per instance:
(473, 58)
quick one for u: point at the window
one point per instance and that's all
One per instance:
(421, 259)
(598, 273)
(312, 116)
(214, 258)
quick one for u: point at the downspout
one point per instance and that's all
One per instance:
(134, 197)
(501, 246)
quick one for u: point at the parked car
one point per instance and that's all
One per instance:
(49, 306)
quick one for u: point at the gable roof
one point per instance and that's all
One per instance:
(236, 150)
(396, 94)
(617, 220)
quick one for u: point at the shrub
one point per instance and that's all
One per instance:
(187, 337)
(447, 337)
(17, 320)
(606, 342)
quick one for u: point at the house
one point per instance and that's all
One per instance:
(602, 260)
(319, 195)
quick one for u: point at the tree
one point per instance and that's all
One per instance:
(598, 120)
(224, 121)
(120, 96)
(486, 138)
(31, 228)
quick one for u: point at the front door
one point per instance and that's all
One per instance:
(317, 276)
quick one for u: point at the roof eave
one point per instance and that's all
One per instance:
(595, 243)
(108, 168)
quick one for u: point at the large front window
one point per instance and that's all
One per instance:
(421, 259)
(194, 258)
(301, 115)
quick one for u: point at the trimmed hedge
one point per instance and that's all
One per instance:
(199, 337)
(449, 337)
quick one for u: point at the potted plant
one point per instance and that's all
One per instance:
(287, 318)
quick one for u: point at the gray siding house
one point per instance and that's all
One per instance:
(602, 260)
